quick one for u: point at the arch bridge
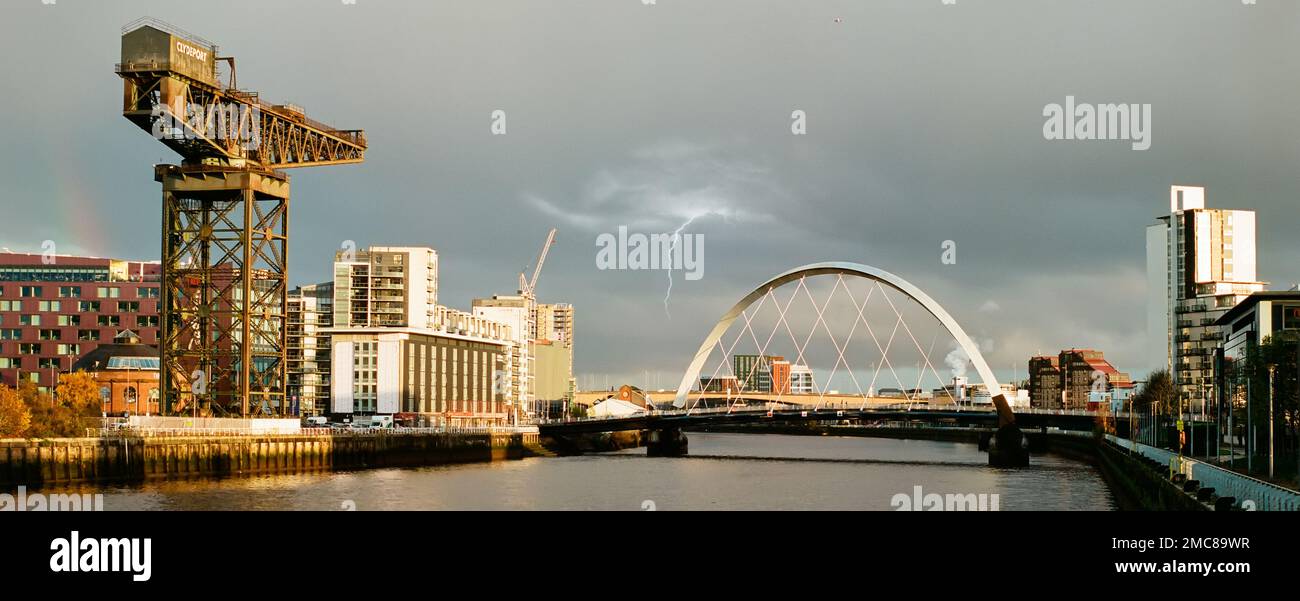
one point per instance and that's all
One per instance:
(763, 374)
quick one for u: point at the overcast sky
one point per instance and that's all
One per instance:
(924, 124)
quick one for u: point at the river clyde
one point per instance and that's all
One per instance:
(723, 472)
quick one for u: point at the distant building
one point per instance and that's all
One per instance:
(1045, 381)
(424, 377)
(781, 376)
(612, 407)
(554, 345)
(307, 347)
(958, 392)
(801, 380)
(632, 394)
(1067, 381)
(395, 350)
(1200, 264)
(385, 286)
(1253, 320)
(541, 379)
(554, 322)
(554, 366)
(56, 308)
(512, 310)
(723, 384)
(1121, 392)
(754, 371)
(126, 372)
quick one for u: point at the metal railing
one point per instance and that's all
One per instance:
(1250, 493)
(832, 412)
(127, 432)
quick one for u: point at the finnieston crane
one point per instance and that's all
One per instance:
(225, 219)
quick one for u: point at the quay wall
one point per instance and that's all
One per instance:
(36, 462)
(1136, 483)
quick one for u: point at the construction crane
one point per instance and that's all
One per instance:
(225, 226)
(528, 287)
(528, 292)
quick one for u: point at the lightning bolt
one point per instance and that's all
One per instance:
(677, 235)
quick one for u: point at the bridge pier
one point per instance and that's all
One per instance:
(669, 442)
(1008, 447)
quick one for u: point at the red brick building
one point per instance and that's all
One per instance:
(126, 372)
(781, 376)
(1066, 381)
(56, 308)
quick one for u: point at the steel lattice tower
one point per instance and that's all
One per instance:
(225, 219)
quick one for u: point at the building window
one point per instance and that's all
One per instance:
(31, 292)
(87, 335)
(106, 321)
(48, 363)
(49, 306)
(11, 305)
(1291, 317)
(146, 292)
(69, 320)
(72, 350)
(105, 292)
(88, 307)
(146, 321)
(29, 348)
(11, 334)
(128, 306)
(50, 334)
(365, 358)
(70, 291)
(29, 320)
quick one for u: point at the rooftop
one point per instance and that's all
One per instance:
(1247, 304)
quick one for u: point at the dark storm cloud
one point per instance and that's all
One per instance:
(924, 125)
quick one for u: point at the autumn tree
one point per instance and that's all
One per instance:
(15, 419)
(66, 414)
(79, 392)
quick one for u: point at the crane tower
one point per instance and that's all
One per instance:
(225, 218)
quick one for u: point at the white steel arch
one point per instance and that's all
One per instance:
(839, 268)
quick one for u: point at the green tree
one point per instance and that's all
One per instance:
(15, 419)
(1159, 391)
(1279, 352)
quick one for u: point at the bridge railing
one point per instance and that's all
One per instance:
(831, 412)
(1226, 483)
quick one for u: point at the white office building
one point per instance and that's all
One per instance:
(801, 380)
(1200, 264)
